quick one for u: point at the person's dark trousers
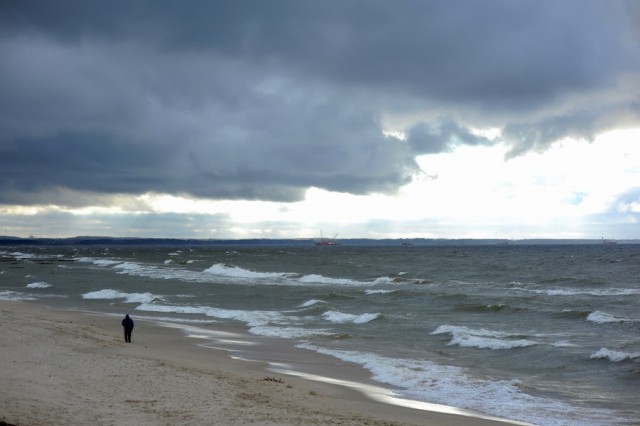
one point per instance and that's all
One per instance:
(127, 335)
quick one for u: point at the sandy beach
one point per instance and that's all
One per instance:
(66, 367)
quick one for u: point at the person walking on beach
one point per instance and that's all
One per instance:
(127, 323)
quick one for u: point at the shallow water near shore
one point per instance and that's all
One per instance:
(541, 334)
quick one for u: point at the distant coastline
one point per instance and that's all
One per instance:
(184, 242)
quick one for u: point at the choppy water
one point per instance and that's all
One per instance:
(543, 334)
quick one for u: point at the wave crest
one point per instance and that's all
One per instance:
(115, 294)
(237, 272)
(614, 356)
(483, 339)
(40, 284)
(342, 318)
(603, 318)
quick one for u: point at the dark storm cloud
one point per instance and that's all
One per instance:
(426, 138)
(261, 100)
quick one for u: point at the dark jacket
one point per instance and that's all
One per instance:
(127, 323)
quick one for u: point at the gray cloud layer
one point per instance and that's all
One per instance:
(261, 100)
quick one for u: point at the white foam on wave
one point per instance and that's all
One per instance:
(21, 256)
(251, 318)
(98, 262)
(40, 284)
(18, 255)
(383, 280)
(614, 356)
(129, 268)
(172, 309)
(370, 292)
(132, 268)
(235, 272)
(424, 380)
(15, 296)
(232, 274)
(342, 318)
(483, 339)
(177, 320)
(262, 323)
(586, 292)
(311, 302)
(289, 332)
(603, 318)
(320, 279)
(162, 273)
(563, 344)
(107, 294)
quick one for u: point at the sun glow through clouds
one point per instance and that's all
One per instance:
(215, 125)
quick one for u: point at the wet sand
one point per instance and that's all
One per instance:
(67, 367)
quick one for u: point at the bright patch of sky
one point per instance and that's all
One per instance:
(286, 118)
(471, 191)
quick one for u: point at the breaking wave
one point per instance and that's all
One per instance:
(483, 339)
(342, 318)
(603, 318)
(614, 356)
(41, 284)
(115, 294)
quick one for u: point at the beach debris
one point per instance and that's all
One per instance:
(272, 379)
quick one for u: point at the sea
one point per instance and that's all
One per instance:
(542, 334)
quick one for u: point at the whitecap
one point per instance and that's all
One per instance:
(311, 302)
(342, 318)
(369, 292)
(319, 279)
(563, 344)
(14, 296)
(98, 262)
(587, 292)
(614, 356)
(172, 309)
(251, 318)
(603, 318)
(115, 294)
(481, 338)
(236, 272)
(288, 332)
(130, 268)
(384, 280)
(41, 284)
(178, 320)
(424, 380)
(21, 256)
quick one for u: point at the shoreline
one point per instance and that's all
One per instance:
(73, 367)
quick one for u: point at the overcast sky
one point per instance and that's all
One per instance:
(365, 118)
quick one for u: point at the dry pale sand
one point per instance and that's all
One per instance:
(61, 367)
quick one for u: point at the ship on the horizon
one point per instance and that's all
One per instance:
(326, 241)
